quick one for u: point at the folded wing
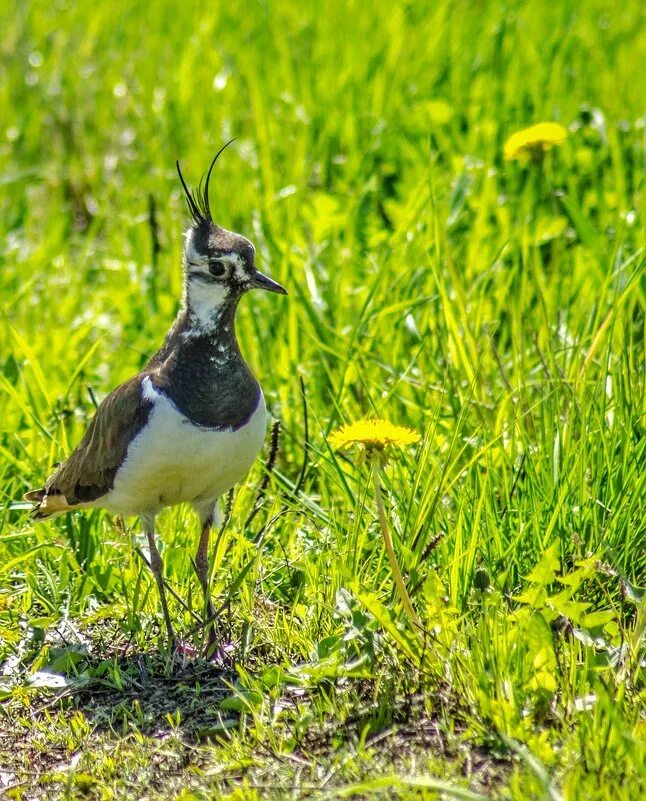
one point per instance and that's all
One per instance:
(88, 474)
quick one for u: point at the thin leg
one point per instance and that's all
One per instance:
(157, 567)
(202, 567)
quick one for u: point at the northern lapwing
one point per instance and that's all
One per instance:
(190, 425)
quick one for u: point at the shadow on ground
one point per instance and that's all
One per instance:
(118, 687)
(155, 694)
(164, 718)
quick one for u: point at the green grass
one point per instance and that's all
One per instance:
(495, 307)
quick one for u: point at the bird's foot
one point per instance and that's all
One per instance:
(217, 650)
(186, 650)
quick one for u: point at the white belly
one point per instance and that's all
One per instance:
(172, 461)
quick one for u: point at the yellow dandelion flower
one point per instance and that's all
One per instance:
(375, 438)
(533, 142)
(373, 434)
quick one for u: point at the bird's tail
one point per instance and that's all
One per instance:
(46, 505)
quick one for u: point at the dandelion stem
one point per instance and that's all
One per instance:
(399, 581)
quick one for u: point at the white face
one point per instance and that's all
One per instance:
(219, 267)
(215, 277)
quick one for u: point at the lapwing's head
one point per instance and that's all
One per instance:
(219, 265)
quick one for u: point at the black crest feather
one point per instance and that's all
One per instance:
(198, 201)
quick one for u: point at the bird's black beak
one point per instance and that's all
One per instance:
(262, 282)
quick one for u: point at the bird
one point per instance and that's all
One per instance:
(189, 426)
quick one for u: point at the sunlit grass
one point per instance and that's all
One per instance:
(494, 306)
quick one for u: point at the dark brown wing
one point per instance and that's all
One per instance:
(89, 472)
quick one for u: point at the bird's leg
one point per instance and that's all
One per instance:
(157, 567)
(202, 570)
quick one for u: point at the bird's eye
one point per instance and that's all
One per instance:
(217, 268)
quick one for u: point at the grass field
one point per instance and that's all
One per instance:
(495, 306)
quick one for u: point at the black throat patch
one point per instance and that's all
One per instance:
(203, 374)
